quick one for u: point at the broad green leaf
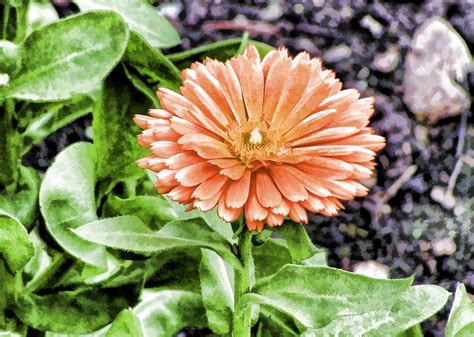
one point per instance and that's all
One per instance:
(165, 312)
(40, 14)
(141, 86)
(415, 305)
(69, 57)
(211, 218)
(10, 57)
(274, 323)
(79, 311)
(270, 257)
(15, 245)
(40, 260)
(317, 296)
(67, 201)
(151, 64)
(126, 324)
(217, 292)
(461, 317)
(141, 17)
(129, 233)
(49, 117)
(414, 331)
(22, 202)
(299, 244)
(222, 51)
(10, 144)
(115, 133)
(9, 334)
(154, 211)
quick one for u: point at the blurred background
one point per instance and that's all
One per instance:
(415, 58)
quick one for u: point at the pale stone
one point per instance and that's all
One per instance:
(445, 246)
(437, 58)
(372, 269)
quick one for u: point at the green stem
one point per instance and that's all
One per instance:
(45, 277)
(6, 18)
(242, 313)
(3, 294)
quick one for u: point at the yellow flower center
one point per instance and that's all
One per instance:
(252, 142)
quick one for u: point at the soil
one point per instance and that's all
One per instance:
(399, 223)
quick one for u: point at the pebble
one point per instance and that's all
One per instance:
(375, 27)
(429, 88)
(171, 9)
(439, 195)
(337, 53)
(387, 61)
(445, 246)
(372, 269)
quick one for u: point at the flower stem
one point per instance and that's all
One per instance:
(242, 313)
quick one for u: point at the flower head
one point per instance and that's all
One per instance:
(269, 138)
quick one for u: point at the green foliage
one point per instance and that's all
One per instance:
(217, 291)
(114, 130)
(22, 200)
(163, 312)
(44, 118)
(15, 246)
(79, 311)
(141, 17)
(67, 201)
(150, 64)
(221, 51)
(154, 211)
(69, 57)
(10, 57)
(461, 318)
(126, 324)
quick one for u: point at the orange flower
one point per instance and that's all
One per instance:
(270, 138)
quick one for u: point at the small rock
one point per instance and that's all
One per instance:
(272, 12)
(372, 269)
(447, 200)
(337, 53)
(445, 246)
(171, 9)
(375, 27)
(438, 56)
(387, 61)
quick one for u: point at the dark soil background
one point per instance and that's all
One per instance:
(399, 224)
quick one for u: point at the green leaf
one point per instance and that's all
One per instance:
(151, 64)
(274, 323)
(141, 17)
(461, 317)
(79, 311)
(217, 291)
(67, 201)
(211, 218)
(15, 245)
(126, 324)
(222, 51)
(141, 86)
(414, 331)
(49, 117)
(40, 260)
(40, 14)
(317, 296)
(270, 257)
(69, 57)
(10, 57)
(114, 130)
(165, 312)
(22, 202)
(299, 244)
(153, 211)
(129, 233)
(410, 308)
(10, 144)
